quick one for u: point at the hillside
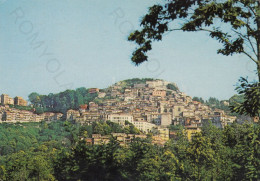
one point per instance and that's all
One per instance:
(141, 98)
(132, 130)
(72, 99)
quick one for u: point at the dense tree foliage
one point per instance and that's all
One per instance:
(251, 98)
(108, 127)
(172, 87)
(61, 102)
(214, 103)
(22, 136)
(131, 82)
(214, 154)
(198, 99)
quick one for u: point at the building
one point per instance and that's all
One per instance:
(256, 119)
(191, 131)
(139, 85)
(20, 101)
(93, 106)
(5, 99)
(83, 108)
(157, 83)
(120, 118)
(90, 117)
(177, 110)
(101, 94)
(164, 133)
(72, 114)
(166, 120)
(159, 93)
(93, 90)
(120, 137)
(99, 140)
(143, 126)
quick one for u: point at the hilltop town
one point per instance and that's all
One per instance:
(147, 104)
(154, 104)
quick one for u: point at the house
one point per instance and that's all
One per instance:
(159, 93)
(20, 101)
(120, 137)
(93, 106)
(5, 100)
(98, 139)
(90, 117)
(164, 133)
(177, 110)
(256, 119)
(93, 90)
(140, 85)
(72, 114)
(83, 107)
(89, 141)
(166, 119)
(157, 83)
(101, 94)
(191, 131)
(143, 126)
(120, 118)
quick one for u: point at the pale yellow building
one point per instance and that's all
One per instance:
(5, 99)
(144, 126)
(20, 101)
(191, 131)
(164, 133)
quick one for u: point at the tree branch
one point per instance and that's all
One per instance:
(247, 38)
(250, 57)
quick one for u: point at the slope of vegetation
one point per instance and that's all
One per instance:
(56, 151)
(131, 82)
(214, 103)
(61, 102)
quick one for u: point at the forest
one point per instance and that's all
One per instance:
(58, 151)
(61, 102)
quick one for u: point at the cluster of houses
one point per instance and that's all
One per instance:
(148, 106)
(151, 107)
(13, 115)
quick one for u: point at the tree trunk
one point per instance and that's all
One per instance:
(258, 70)
(258, 40)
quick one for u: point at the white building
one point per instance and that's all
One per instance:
(143, 126)
(120, 118)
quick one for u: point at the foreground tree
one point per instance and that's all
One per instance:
(234, 23)
(251, 104)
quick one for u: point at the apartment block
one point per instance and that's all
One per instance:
(20, 101)
(120, 118)
(5, 99)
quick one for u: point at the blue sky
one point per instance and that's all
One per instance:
(48, 46)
